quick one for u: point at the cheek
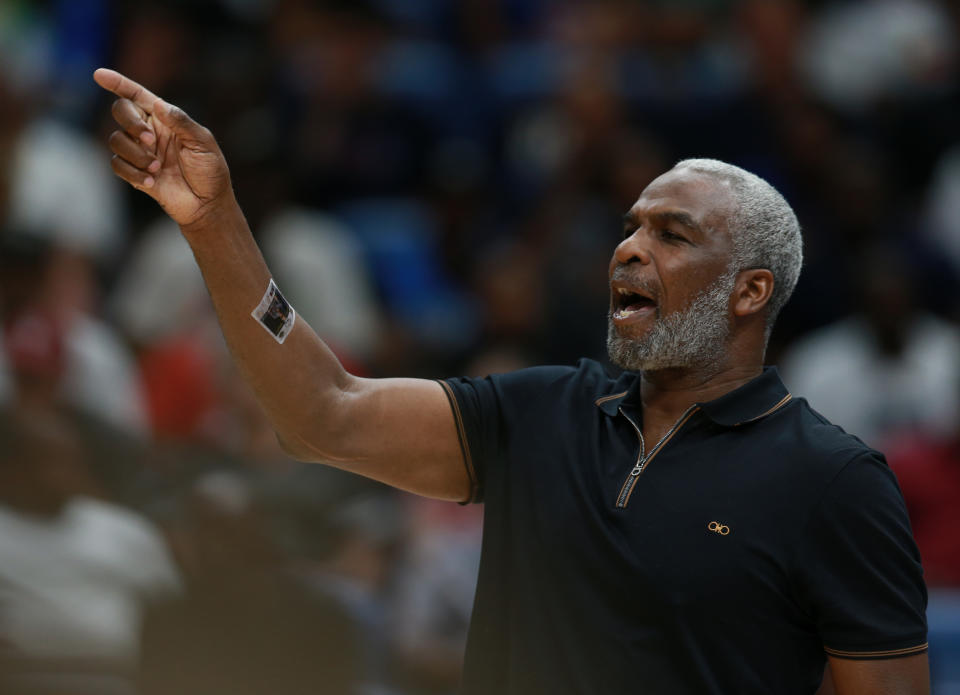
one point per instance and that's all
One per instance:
(684, 282)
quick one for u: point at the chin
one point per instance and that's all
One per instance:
(657, 348)
(628, 352)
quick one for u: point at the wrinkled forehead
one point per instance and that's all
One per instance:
(707, 198)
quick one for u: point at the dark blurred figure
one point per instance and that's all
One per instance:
(76, 570)
(345, 138)
(437, 579)
(364, 534)
(928, 470)
(246, 625)
(890, 368)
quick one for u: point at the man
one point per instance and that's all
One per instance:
(745, 539)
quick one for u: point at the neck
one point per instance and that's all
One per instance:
(667, 393)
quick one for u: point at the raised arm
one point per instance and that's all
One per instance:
(398, 431)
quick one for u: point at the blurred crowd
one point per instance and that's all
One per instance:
(437, 186)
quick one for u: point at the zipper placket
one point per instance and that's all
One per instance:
(643, 458)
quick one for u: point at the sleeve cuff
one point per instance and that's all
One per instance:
(464, 445)
(859, 655)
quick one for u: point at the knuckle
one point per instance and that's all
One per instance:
(116, 139)
(126, 114)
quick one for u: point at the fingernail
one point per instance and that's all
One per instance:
(148, 182)
(147, 137)
(154, 166)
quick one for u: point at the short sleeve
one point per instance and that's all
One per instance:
(476, 413)
(487, 410)
(860, 573)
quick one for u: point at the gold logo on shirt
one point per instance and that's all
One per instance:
(717, 527)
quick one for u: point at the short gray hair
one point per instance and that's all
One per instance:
(763, 227)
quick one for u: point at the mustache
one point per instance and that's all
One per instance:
(624, 274)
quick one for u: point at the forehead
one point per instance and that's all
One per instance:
(706, 198)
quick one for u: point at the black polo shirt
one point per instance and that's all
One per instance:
(756, 539)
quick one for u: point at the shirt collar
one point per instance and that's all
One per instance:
(757, 398)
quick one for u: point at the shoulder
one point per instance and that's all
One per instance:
(812, 447)
(587, 381)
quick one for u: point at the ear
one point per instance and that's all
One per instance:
(752, 291)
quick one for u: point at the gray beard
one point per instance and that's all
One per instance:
(695, 336)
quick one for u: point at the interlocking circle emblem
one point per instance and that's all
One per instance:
(717, 527)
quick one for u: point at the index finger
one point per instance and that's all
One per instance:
(113, 81)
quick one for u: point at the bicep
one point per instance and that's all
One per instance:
(401, 432)
(909, 675)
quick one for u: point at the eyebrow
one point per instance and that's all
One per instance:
(682, 218)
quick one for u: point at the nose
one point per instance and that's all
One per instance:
(633, 249)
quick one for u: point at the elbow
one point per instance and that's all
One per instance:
(323, 434)
(295, 449)
(307, 451)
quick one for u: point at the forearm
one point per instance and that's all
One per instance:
(298, 383)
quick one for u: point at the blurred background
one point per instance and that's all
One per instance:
(437, 186)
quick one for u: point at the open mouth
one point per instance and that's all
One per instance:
(629, 302)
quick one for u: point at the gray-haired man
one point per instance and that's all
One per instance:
(688, 527)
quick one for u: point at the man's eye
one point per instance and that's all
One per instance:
(628, 232)
(667, 235)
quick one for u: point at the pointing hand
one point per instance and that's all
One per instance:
(161, 151)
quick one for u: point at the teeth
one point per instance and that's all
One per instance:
(625, 312)
(623, 291)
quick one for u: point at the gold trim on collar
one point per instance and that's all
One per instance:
(786, 399)
(604, 399)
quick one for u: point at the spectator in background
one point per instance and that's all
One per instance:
(76, 570)
(859, 54)
(64, 225)
(99, 376)
(245, 625)
(161, 308)
(321, 260)
(437, 578)
(928, 469)
(346, 139)
(356, 573)
(927, 466)
(890, 368)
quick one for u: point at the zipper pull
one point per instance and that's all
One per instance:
(638, 469)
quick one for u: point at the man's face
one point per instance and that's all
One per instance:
(670, 277)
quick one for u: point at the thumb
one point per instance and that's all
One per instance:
(177, 120)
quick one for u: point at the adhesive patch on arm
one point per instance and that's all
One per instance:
(275, 314)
